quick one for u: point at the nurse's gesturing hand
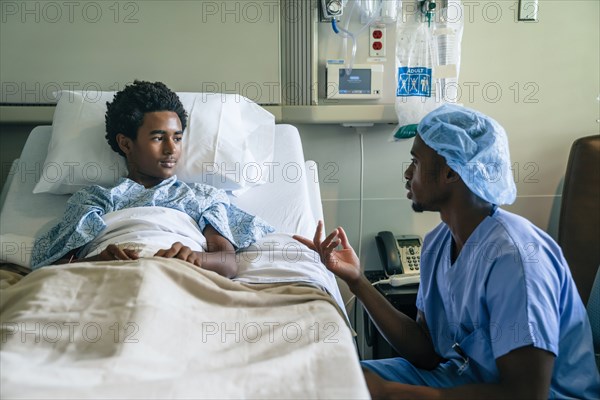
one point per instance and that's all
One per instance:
(342, 262)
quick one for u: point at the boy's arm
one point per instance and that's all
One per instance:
(111, 252)
(219, 257)
(220, 254)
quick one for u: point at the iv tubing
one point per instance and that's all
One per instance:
(334, 26)
(347, 34)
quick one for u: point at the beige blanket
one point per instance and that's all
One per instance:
(160, 328)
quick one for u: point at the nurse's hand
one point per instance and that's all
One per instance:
(344, 263)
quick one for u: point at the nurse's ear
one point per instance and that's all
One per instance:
(450, 175)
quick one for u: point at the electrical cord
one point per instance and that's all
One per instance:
(361, 190)
(392, 280)
(400, 280)
(379, 282)
(349, 300)
(360, 229)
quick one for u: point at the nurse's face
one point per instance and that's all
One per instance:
(424, 178)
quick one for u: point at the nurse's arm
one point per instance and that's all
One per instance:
(410, 338)
(525, 373)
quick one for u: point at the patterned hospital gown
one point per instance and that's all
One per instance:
(82, 221)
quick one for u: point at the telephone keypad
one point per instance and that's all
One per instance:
(413, 258)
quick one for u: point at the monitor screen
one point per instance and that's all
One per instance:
(358, 82)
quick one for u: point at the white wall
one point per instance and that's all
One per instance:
(554, 63)
(539, 80)
(200, 45)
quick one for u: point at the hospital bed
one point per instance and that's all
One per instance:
(162, 328)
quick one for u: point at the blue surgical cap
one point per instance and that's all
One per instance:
(475, 146)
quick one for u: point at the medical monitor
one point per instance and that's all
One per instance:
(364, 81)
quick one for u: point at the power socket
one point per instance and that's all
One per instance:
(377, 41)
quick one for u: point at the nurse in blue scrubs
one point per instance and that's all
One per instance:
(499, 315)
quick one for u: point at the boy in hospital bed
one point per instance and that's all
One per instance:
(499, 315)
(145, 124)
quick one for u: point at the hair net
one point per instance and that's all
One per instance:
(475, 146)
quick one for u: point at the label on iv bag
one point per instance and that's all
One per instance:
(414, 81)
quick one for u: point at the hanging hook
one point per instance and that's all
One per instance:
(428, 8)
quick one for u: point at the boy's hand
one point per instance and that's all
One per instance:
(114, 252)
(178, 250)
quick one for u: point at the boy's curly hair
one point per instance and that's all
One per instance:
(125, 114)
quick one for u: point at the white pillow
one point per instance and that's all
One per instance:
(228, 143)
(78, 154)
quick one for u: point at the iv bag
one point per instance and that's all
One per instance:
(383, 11)
(389, 10)
(427, 64)
(368, 8)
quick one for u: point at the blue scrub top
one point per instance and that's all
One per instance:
(509, 287)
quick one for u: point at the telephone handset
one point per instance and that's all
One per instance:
(399, 254)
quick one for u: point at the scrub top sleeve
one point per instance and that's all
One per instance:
(523, 305)
(419, 302)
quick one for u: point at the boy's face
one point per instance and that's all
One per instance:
(152, 157)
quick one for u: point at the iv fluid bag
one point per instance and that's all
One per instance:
(427, 64)
(447, 36)
(384, 11)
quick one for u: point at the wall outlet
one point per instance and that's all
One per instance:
(377, 41)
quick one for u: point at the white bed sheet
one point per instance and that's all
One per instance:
(290, 201)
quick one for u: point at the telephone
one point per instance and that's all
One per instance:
(400, 256)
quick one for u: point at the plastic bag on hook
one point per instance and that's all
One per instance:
(427, 61)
